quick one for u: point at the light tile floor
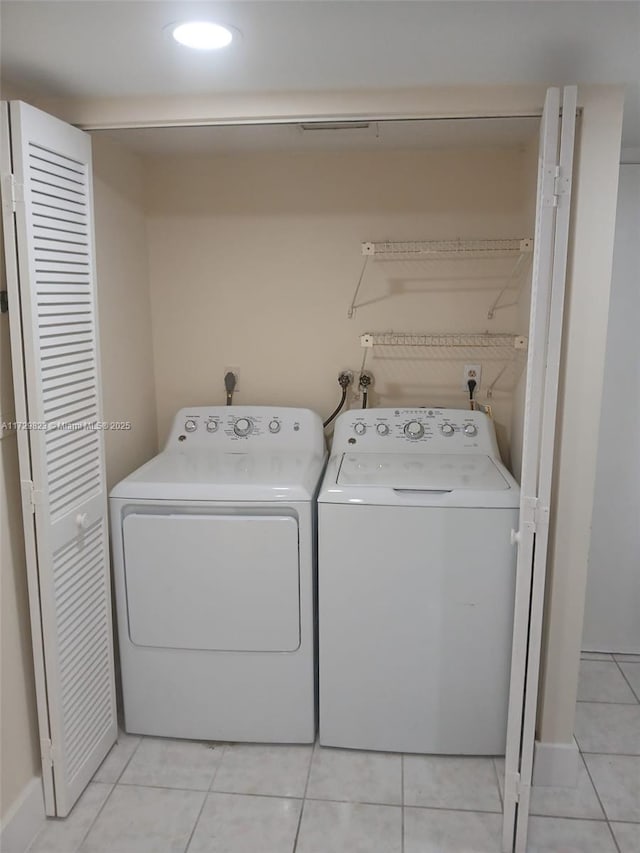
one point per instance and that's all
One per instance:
(160, 796)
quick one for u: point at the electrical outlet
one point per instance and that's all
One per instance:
(236, 373)
(471, 371)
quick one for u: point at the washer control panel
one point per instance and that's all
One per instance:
(254, 427)
(426, 430)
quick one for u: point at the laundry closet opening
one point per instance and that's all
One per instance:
(274, 249)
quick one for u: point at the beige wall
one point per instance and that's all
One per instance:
(128, 391)
(19, 750)
(254, 259)
(582, 368)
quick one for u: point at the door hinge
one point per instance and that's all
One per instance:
(32, 497)
(46, 750)
(533, 514)
(12, 191)
(512, 784)
(561, 187)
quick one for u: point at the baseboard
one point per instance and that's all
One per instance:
(556, 764)
(24, 819)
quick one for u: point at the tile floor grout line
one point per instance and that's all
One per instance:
(95, 818)
(398, 806)
(607, 702)
(570, 817)
(304, 797)
(196, 822)
(601, 804)
(225, 747)
(613, 836)
(597, 793)
(128, 761)
(628, 682)
(207, 791)
(114, 785)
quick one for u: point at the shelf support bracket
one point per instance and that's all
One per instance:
(526, 247)
(352, 308)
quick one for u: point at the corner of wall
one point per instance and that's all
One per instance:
(126, 347)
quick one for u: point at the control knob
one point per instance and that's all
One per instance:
(471, 430)
(190, 425)
(274, 426)
(382, 429)
(359, 428)
(212, 426)
(242, 426)
(414, 429)
(447, 430)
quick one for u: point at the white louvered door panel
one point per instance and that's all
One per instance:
(53, 310)
(555, 163)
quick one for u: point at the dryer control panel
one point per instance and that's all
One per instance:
(262, 427)
(426, 430)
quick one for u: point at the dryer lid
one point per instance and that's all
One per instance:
(422, 471)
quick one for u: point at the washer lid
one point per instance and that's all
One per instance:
(444, 472)
(199, 474)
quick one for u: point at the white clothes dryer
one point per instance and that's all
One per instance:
(213, 552)
(416, 583)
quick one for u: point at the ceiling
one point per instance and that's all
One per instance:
(362, 136)
(101, 48)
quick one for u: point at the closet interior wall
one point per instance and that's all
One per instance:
(124, 308)
(254, 257)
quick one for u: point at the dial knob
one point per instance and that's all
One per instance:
(274, 426)
(242, 426)
(359, 428)
(212, 426)
(190, 425)
(470, 429)
(382, 429)
(447, 430)
(414, 429)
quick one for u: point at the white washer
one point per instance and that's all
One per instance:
(416, 581)
(213, 551)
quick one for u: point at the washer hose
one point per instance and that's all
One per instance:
(338, 408)
(366, 379)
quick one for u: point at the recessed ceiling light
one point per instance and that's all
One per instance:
(202, 35)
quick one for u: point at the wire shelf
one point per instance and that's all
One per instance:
(455, 339)
(517, 250)
(400, 354)
(446, 249)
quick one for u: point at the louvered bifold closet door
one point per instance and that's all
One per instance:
(53, 220)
